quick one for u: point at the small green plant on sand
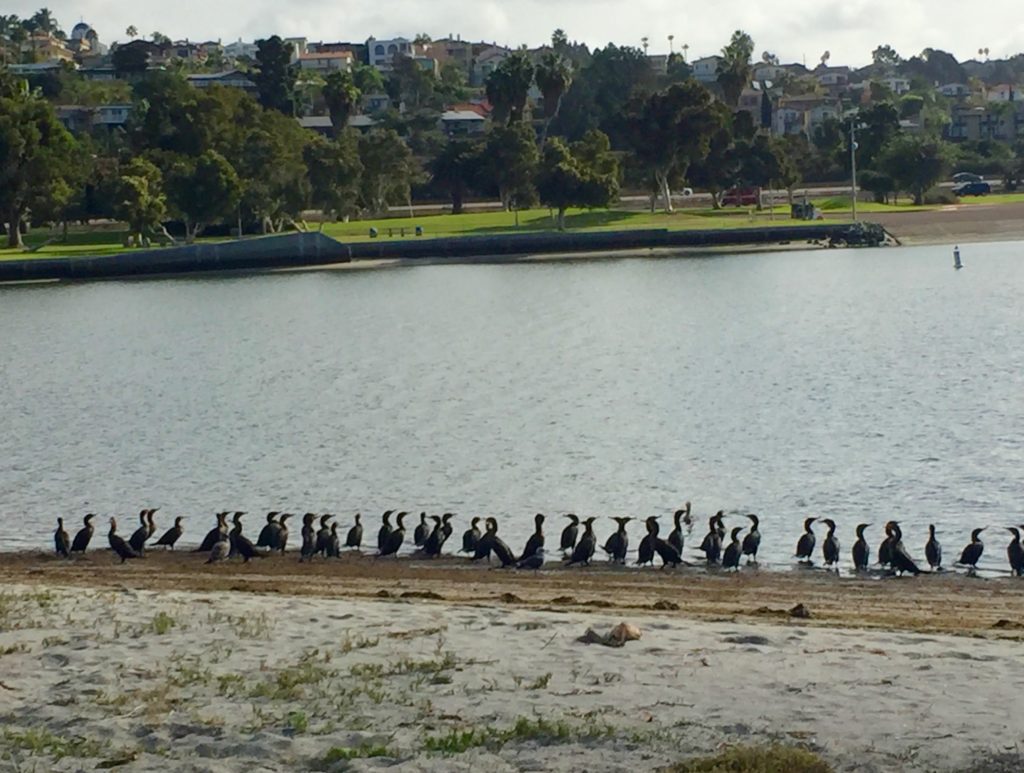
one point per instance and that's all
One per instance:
(756, 759)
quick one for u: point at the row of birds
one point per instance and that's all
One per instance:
(432, 532)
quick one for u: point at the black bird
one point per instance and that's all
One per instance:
(645, 554)
(172, 535)
(61, 542)
(933, 550)
(901, 560)
(323, 536)
(675, 537)
(972, 553)
(667, 553)
(118, 545)
(237, 520)
(830, 546)
(268, 534)
(241, 544)
(752, 539)
(84, 535)
(308, 549)
(536, 539)
(421, 532)
(1015, 553)
(885, 549)
(138, 539)
(805, 545)
(385, 530)
(618, 543)
(333, 542)
(569, 533)
(498, 546)
(861, 551)
(355, 534)
(214, 535)
(733, 551)
(396, 537)
(711, 546)
(436, 539)
(485, 542)
(282, 532)
(534, 561)
(446, 526)
(584, 550)
(471, 537)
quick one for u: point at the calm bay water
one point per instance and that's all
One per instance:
(857, 385)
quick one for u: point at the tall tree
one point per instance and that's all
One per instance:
(341, 97)
(553, 75)
(886, 55)
(455, 169)
(508, 86)
(583, 175)
(334, 169)
(275, 75)
(203, 191)
(141, 202)
(734, 71)
(131, 59)
(388, 170)
(269, 159)
(36, 158)
(915, 163)
(510, 162)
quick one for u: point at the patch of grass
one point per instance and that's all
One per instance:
(290, 682)
(162, 623)
(297, 722)
(755, 759)
(458, 741)
(540, 683)
(341, 753)
(13, 649)
(39, 741)
(539, 730)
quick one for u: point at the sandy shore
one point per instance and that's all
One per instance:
(168, 664)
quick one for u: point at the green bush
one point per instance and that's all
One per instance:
(756, 759)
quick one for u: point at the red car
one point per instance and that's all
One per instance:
(741, 197)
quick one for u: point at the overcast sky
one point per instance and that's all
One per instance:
(796, 30)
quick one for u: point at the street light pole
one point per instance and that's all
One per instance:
(853, 166)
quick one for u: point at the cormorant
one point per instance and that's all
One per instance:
(485, 542)
(861, 551)
(282, 532)
(61, 542)
(446, 526)
(220, 550)
(396, 537)
(214, 535)
(118, 545)
(712, 543)
(333, 542)
(241, 544)
(172, 535)
(618, 543)
(805, 545)
(933, 550)
(900, 559)
(237, 520)
(534, 561)
(972, 553)
(421, 532)
(268, 534)
(498, 546)
(885, 549)
(138, 539)
(436, 539)
(536, 539)
(645, 554)
(471, 537)
(752, 539)
(675, 537)
(385, 530)
(84, 535)
(569, 533)
(323, 536)
(667, 553)
(150, 523)
(584, 550)
(355, 534)
(733, 551)
(308, 548)
(1015, 553)
(830, 546)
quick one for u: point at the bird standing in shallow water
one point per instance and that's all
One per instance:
(498, 546)
(1015, 553)
(214, 535)
(536, 539)
(61, 542)
(752, 539)
(645, 554)
(138, 539)
(617, 544)
(830, 545)
(172, 535)
(118, 544)
(354, 539)
(569, 534)
(436, 539)
(268, 534)
(885, 549)
(584, 550)
(805, 545)
(972, 553)
(385, 530)
(733, 551)
(861, 551)
(84, 535)
(396, 537)
(471, 536)
(308, 549)
(323, 536)
(421, 532)
(900, 559)
(675, 537)
(933, 550)
(711, 545)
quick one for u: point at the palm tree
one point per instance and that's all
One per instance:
(341, 96)
(553, 77)
(671, 48)
(507, 87)
(132, 32)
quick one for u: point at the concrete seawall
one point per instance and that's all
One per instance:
(314, 249)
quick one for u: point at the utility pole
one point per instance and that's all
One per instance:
(853, 166)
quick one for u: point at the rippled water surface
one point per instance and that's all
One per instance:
(859, 385)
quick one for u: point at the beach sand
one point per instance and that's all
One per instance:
(360, 664)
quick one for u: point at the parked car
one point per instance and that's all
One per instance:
(975, 188)
(967, 177)
(741, 197)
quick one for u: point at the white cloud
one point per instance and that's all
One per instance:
(793, 29)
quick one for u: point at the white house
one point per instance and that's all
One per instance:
(382, 53)
(485, 62)
(897, 85)
(768, 72)
(801, 115)
(1004, 92)
(462, 122)
(112, 115)
(232, 79)
(327, 62)
(706, 70)
(954, 90)
(240, 50)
